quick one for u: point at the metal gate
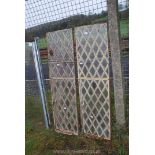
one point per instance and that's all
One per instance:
(93, 74)
(62, 75)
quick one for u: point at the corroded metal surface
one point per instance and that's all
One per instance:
(93, 74)
(62, 75)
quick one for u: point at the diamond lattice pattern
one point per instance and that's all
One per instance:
(62, 74)
(64, 100)
(61, 43)
(61, 69)
(93, 74)
(92, 51)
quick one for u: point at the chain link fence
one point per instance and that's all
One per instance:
(42, 16)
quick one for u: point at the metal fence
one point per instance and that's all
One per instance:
(42, 16)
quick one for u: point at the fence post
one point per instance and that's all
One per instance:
(114, 33)
(40, 80)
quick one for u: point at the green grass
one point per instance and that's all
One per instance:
(124, 28)
(102, 19)
(42, 43)
(124, 25)
(40, 141)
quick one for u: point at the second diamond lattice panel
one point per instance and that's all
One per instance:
(93, 73)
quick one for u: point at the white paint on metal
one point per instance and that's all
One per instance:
(40, 80)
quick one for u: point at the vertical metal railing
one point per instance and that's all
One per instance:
(40, 80)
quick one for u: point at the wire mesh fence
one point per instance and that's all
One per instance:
(42, 16)
(123, 6)
(49, 15)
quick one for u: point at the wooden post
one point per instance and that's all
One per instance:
(113, 28)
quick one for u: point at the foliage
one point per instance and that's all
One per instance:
(70, 22)
(40, 141)
(124, 30)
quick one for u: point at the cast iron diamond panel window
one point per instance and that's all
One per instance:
(93, 74)
(62, 74)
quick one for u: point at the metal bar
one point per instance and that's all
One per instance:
(42, 80)
(113, 26)
(38, 68)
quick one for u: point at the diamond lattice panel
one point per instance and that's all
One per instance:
(64, 101)
(62, 74)
(61, 69)
(61, 45)
(93, 73)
